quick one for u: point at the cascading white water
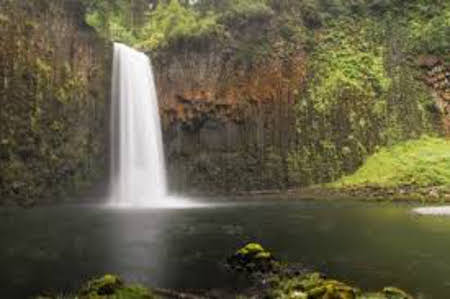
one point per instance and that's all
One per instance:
(137, 159)
(137, 176)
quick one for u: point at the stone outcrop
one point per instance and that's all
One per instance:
(228, 124)
(231, 125)
(437, 77)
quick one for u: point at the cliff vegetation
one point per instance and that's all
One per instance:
(53, 101)
(413, 163)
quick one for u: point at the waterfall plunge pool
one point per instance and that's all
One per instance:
(370, 245)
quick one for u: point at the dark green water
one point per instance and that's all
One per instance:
(371, 245)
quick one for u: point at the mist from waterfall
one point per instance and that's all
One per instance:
(138, 176)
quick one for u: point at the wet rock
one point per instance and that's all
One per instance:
(252, 258)
(274, 279)
(106, 285)
(317, 286)
(313, 285)
(395, 293)
(113, 287)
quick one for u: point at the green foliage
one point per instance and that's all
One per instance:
(429, 28)
(363, 93)
(348, 66)
(133, 22)
(253, 51)
(171, 23)
(423, 162)
(247, 10)
(111, 20)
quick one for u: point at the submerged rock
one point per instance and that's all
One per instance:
(395, 293)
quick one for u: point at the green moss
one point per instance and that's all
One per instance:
(314, 285)
(423, 162)
(112, 287)
(252, 258)
(348, 64)
(394, 293)
(134, 292)
(251, 249)
(361, 85)
(285, 281)
(106, 285)
(263, 255)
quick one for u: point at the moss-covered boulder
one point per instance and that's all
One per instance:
(113, 287)
(105, 285)
(252, 258)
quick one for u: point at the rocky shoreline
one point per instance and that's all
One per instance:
(433, 194)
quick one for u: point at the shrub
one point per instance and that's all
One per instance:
(246, 10)
(172, 22)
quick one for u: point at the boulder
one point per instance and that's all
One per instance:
(252, 258)
(105, 285)
(112, 287)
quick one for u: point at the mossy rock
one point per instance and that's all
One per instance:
(250, 249)
(252, 258)
(134, 292)
(105, 285)
(112, 287)
(395, 293)
(317, 286)
(313, 285)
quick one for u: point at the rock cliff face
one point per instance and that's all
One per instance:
(53, 92)
(437, 77)
(234, 126)
(228, 125)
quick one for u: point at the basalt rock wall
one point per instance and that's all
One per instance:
(228, 125)
(54, 76)
(231, 126)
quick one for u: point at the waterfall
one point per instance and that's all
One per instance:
(138, 175)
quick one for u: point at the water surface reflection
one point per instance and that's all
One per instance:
(371, 245)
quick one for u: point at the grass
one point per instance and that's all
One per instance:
(424, 162)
